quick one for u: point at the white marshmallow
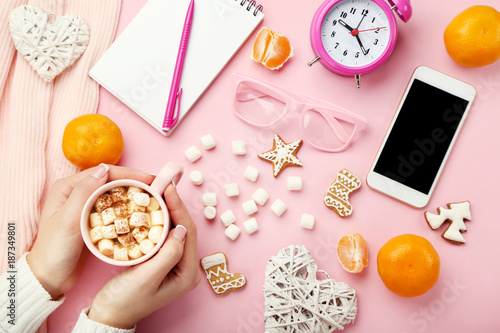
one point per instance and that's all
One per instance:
(251, 173)
(210, 212)
(157, 217)
(294, 183)
(139, 219)
(251, 226)
(132, 190)
(278, 207)
(106, 247)
(307, 221)
(109, 231)
(96, 234)
(232, 232)
(134, 251)
(153, 205)
(249, 207)
(121, 226)
(260, 196)
(146, 246)
(126, 239)
(228, 217)
(120, 253)
(193, 154)
(142, 199)
(95, 220)
(140, 234)
(108, 215)
(239, 147)
(196, 177)
(207, 142)
(155, 233)
(232, 190)
(209, 199)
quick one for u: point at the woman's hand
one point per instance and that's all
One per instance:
(140, 290)
(56, 258)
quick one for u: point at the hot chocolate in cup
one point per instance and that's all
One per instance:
(125, 222)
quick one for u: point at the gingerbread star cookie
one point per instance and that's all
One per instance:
(282, 155)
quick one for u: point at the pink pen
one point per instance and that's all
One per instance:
(172, 112)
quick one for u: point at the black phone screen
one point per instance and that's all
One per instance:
(421, 136)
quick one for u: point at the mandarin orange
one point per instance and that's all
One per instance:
(472, 38)
(408, 265)
(92, 139)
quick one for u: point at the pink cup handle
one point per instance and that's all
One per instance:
(170, 173)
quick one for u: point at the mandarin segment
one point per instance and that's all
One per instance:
(271, 49)
(352, 252)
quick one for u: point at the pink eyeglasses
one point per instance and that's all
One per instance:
(325, 126)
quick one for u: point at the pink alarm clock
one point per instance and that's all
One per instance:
(355, 37)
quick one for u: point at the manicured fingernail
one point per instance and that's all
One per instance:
(180, 232)
(100, 171)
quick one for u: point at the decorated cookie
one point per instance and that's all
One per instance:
(456, 214)
(282, 155)
(221, 281)
(337, 196)
(296, 301)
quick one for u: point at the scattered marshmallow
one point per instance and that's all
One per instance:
(251, 226)
(260, 196)
(196, 177)
(228, 217)
(232, 232)
(278, 207)
(307, 221)
(193, 154)
(207, 142)
(294, 183)
(239, 147)
(251, 173)
(249, 207)
(210, 212)
(209, 199)
(232, 190)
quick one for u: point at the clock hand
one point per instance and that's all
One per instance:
(365, 52)
(369, 29)
(354, 32)
(360, 22)
(348, 27)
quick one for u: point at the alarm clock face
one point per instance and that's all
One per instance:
(355, 33)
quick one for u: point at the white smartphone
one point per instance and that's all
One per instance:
(420, 136)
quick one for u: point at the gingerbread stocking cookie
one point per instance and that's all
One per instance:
(337, 196)
(221, 280)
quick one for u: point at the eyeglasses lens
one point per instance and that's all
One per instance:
(325, 131)
(258, 105)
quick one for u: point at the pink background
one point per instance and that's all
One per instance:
(466, 296)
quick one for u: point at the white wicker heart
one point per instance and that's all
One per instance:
(50, 48)
(296, 301)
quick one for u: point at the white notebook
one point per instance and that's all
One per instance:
(138, 67)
